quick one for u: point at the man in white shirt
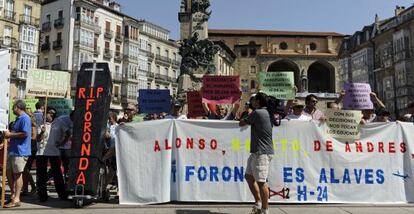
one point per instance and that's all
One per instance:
(298, 112)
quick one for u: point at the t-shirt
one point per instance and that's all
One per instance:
(261, 132)
(41, 145)
(302, 117)
(316, 115)
(57, 133)
(21, 147)
(39, 118)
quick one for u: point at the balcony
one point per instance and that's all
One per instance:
(162, 60)
(87, 22)
(109, 34)
(57, 66)
(57, 45)
(117, 77)
(176, 63)
(45, 47)
(22, 75)
(130, 57)
(96, 50)
(59, 23)
(8, 15)
(119, 37)
(118, 56)
(107, 53)
(47, 26)
(29, 20)
(150, 74)
(98, 30)
(7, 41)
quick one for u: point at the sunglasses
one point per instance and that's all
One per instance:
(314, 101)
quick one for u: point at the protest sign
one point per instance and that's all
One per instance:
(278, 84)
(154, 101)
(221, 89)
(4, 89)
(62, 106)
(357, 96)
(195, 105)
(47, 83)
(30, 103)
(92, 101)
(205, 161)
(343, 124)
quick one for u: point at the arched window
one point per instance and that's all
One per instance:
(283, 46)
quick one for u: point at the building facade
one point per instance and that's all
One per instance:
(19, 31)
(311, 56)
(387, 49)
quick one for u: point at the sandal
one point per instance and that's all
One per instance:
(12, 205)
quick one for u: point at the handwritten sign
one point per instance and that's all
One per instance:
(62, 106)
(195, 105)
(47, 83)
(154, 101)
(4, 88)
(278, 84)
(343, 124)
(357, 96)
(221, 89)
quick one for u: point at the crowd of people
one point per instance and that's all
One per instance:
(43, 137)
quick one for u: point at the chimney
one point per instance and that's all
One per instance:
(398, 10)
(115, 6)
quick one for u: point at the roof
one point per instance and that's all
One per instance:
(270, 33)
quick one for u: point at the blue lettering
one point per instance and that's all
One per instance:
(238, 174)
(369, 177)
(302, 194)
(287, 175)
(202, 173)
(300, 177)
(189, 170)
(347, 178)
(380, 176)
(322, 177)
(227, 177)
(358, 174)
(333, 179)
(213, 173)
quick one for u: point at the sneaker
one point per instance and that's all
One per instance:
(255, 210)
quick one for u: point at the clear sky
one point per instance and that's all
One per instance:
(342, 16)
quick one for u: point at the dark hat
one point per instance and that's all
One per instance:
(177, 103)
(383, 112)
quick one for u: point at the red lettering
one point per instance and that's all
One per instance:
(89, 104)
(370, 147)
(167, 146)
(87, 127)
(201, 144)
(358, 146)
(391, 147)
(178, 143)
(403, 149)
(81, 179)
(316, 146)
(91, 92)
(347, 147)
(86, 137)
(99, 91)
(86, 149)
(190, 143)
(329, 146)
(83, 163)
(81, 93)
(381, 147)
(157, 147)
(88, 116)
(213, 144)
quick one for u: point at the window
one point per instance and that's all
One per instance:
(46, 62)
(312, 46)
(167, 53)
(27, 62)
(149, 47)
(283, 46)
(148, 85)
(252, 84)
(253, 51)
(158, 69)
(107, 26)
(175, 56)
(57, 59)
(106, 45)
(158, 51)
(253, 69)
(48, 18)
(60, 14)
(27, 13)
(7, 33)
(59, 36)
(244, 52)
(166, 71)
(149, 67)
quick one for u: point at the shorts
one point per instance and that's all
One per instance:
(258, 166)
(16, 163)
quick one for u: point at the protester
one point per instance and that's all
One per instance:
(261, 150)
(176, 111)
(131, 112)
(109, 152)
(66, 145)
(298, 111)
(410, 107)
(247, 110)
(38, 114)
(58, 135)
(368, 115)
(311, 100)
(18, 152)
(382, 115)
(27, 177)
(333, 105)
(221, 113)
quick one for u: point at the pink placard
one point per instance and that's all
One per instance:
(221, 89)
(357, 96)
(195, 105)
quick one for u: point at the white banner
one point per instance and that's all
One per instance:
(4, 88)
(201, 160)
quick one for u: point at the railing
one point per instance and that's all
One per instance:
(45, 47)
(57, 44)
(59, 23)
(96, 50)
(163, 58)
(98, 29)
(118, 37)
(118, 56)
(47, 26)
(9, 15)
(29, 20)
(21, 74)
(57, 66)
(107, 53)
(176, 62)
(109, 34)
(117, 77)
(128, 57)
(150, 74)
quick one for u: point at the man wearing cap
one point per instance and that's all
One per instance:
(297, 112)
(175, 111)
(382, 116)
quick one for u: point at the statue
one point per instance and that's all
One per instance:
(201, 7)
